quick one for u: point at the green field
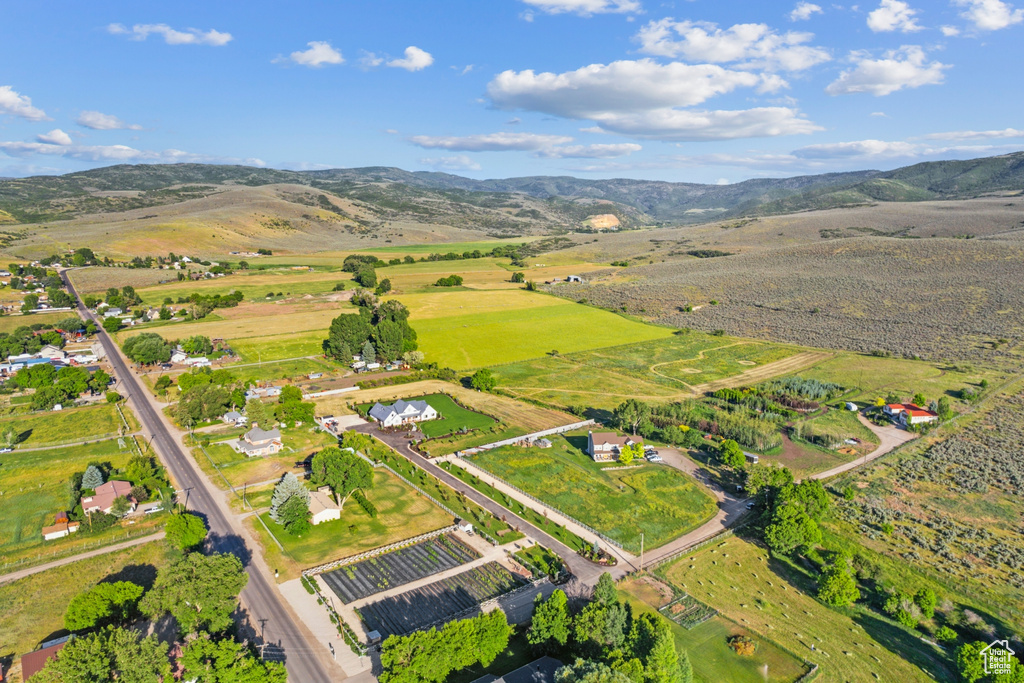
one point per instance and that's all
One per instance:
(9, 323)
(32, 609)
(64, 426)
(657, 500)
(402, 513)
(273, 370)
(280, 347)
(477, 340)
(446, 247)
(741, 581)
(708, 648)
(453, 417)
(254, 285)
(34, 486)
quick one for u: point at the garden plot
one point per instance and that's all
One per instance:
(390, 570)
(438, 601)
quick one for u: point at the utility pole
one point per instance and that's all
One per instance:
(641, 551)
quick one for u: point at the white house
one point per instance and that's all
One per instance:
(909, 413)
(260, 442)
(179, 357)
(59, 530)
(112, 312)
(51, 351)
(402, 412)
(322, 507)
(234, 417)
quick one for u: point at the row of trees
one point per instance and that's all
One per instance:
(31, 338)
(58, 386)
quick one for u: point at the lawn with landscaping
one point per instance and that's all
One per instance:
(451, 416)
(401, 513)
(656, 500)
(65, 426)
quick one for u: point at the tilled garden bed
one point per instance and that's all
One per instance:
(438, 601)
(397, 568)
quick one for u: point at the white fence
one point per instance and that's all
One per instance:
(530, 437)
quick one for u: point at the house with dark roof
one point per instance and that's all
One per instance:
(258, 441)
(402, 412)
(605, 446)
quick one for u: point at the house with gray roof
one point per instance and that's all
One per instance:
(402, 412)
(258, 442)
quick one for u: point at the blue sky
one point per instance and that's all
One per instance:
(699, 91)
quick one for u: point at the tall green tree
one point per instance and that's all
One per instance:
(102, 605)
(287, 488)
(114, 654)
(349, 331)
(605, 591)
(791, 528)
(549, 628)
(588, 671)
(483, 380)
(93, 477)
(632, 415)
(369, 352)
(258, 413)
(185, 531)
(206, 660)
(731, 455)
(969, 661)
(343, 471)
(199, 591)
(837, 586)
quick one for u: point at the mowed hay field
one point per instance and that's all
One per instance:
(528, 417)
(741, 581)
(96, 279)
(9, 323)
(253, 284)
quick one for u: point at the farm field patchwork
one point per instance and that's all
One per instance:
(97, 279)
(254, 285)
(657, 500)
(477, 340)
(263, 326)
(440, 600)
(402, 513)
(440, 303)
(398, 567)
(743, 583)
(9, 323)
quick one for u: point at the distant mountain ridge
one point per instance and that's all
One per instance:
(43, 198)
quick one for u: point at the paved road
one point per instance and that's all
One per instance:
(22, 573)
(283, 637)
(585, 571)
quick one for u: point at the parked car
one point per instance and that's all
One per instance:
(6, 450)
(751, 505)
(654, 457)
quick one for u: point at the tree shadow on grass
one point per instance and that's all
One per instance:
(141, 574)
(930, 658)
(579, 441)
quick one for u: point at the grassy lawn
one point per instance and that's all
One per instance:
(453, 417)
(9, 323)
(742, 582)
(439, 303)
(657, 500)
(34, 486)
(480, 339)
(707, 645)
(32, 609)
(529, 514)
(279, 370)
(845, 422)
(239, 469)
(73, 424)
(402, 513)
(872, 377)
(279, 347)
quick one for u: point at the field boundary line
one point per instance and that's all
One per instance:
(366, 554)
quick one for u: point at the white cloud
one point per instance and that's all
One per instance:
(459, 162)
(975, 134)
(319, 53)
(804, 11)
(584, 8)
(859, 149)
(190, 36)
(611, 151)
(893, 15)
(99, 121)
(949, 31)
(643, 99)
(880, 114)
(749, 45)
(490, 142)
(117, 153)
(54, 137)
(370, 60)
(898, 69)
(16, 104)
(990, 15)
(415, 59)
